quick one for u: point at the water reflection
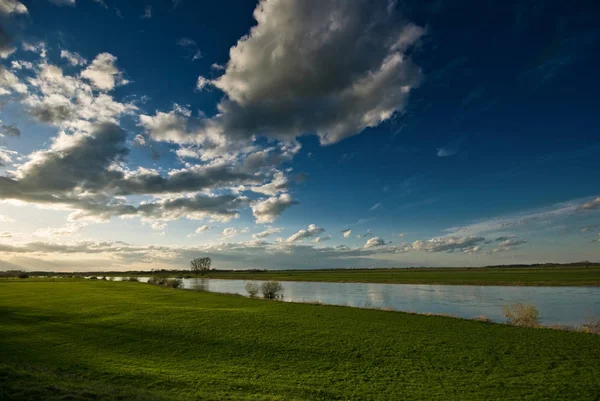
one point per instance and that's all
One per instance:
(557, 305)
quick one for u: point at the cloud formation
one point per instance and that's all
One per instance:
(267, 210)
(103, 72)
(311, 231)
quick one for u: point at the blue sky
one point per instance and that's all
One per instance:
(297, 134)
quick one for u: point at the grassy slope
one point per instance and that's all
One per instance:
(116, 340)
(575, 276)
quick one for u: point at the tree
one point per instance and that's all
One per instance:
(201, 265)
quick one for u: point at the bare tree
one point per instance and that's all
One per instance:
(201, 265)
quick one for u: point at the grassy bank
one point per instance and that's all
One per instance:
(83, 340)
(538, 276)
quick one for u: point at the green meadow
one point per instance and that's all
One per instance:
(537, 276)
(102, 340)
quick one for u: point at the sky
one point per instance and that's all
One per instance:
(298, 134)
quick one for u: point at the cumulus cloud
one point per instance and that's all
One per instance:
(69, 102)
(327, 68)
(346, 233)
(447, 244)
(373, 242)
(267, 210)
(73, 58)
(226, 255)
(268, 231)
(202, 83)
(65, 231)
(330, 68)
(202, 229)
(231, 232)
(6, 48)
(8, 7)
(593, 204)
(81, 172)
(9, 130)
(6, 219)
(311, 231)
(6, 156)
(103, 73)
(10, 83)
(322, 239)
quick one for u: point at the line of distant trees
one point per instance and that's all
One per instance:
(206, 266)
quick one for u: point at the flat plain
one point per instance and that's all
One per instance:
(102, 340)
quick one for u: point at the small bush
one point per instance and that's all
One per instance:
(104, 278)
(252, 289)
(157, 280)
(23, 275)
(521, 315)
(93, 278)
(134, 279)
(166, 282)
(173, 283)
(591, 325)
(272, 290)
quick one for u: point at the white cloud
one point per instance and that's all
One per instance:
(202, 83)
(373, 242)
(593, 204)
(202, 229)
(231, 232)
(375, 206)
(267, 211)
(139, 140)
(73, 58)
(6, 219)
(66, 231)
(322, 239)
(159, 225)
(268, 231)
(346, 233)
(312, 231)
(103, 73)
(38, 48)
(8, 7)
(356, 75)
(10, 83)
(447, 244)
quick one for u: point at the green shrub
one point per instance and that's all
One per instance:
(93, 278)
(521, 315)
(252, 289)
(272, 290)
(23, 275)
(166, 282)
(157, 280)
(134, 279)
(173, 283)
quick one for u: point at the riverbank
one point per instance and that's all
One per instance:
(123, 340)
(530, 276)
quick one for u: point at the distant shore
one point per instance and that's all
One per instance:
(535, 275)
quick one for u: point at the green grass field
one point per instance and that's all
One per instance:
(98, 340)
(539, 276)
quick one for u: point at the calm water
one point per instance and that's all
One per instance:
(557, 305)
